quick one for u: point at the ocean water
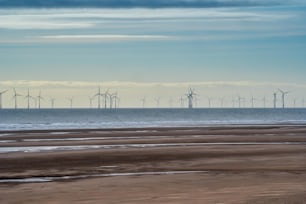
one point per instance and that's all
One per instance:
(22, 119)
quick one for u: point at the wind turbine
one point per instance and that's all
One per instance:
(90, 101)
(264, 100)
(112, 97)
(143, 100)
(274, 99)
(52, 100)
(157, 100)
(105, 98)
(252, 101)
(221, 102)
(190, 95)
(283, 96)
(15, 96)
(209, 102)
(99, 98)
(182, 101)
(39, 97)
(117, 101)
(71, 102)
(239, 101)
(294, 102)
(1, 97)
(28, 96)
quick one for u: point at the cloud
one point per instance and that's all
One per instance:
(95, 18)
(142, 24)
(37, 24)
(95, 38)
(143, 3)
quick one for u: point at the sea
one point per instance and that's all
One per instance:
(43, 119)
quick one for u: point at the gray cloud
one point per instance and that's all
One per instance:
(142, 3)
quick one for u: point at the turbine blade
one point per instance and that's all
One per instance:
(3, 92)
(281, 91)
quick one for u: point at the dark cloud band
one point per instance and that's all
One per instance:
(137, 3)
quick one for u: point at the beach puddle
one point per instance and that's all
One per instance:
(49, 179)
(7, 141)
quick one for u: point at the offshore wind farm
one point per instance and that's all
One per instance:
(110, 100)
(103, 111)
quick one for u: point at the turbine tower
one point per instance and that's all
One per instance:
(112, 98)
(182, 102)
(209, 102)
(239, 101)
(105, 98)
(190, 95)
(274, 99)
(294, 102)
(28, 96)
(283, 96)
(39, 97)
(52, 100)
(1, 97)
(221, 102)
(15, 96)
(157, 100)
(117, 101)
(252, 101)
(143, 100)
(71, 102)
(90, 101)
(264, 100)
(99, 98)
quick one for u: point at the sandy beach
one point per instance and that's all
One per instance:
(221, 164)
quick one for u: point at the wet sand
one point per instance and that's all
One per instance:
(230, 164)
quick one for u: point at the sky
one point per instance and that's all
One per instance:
(153, 49)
